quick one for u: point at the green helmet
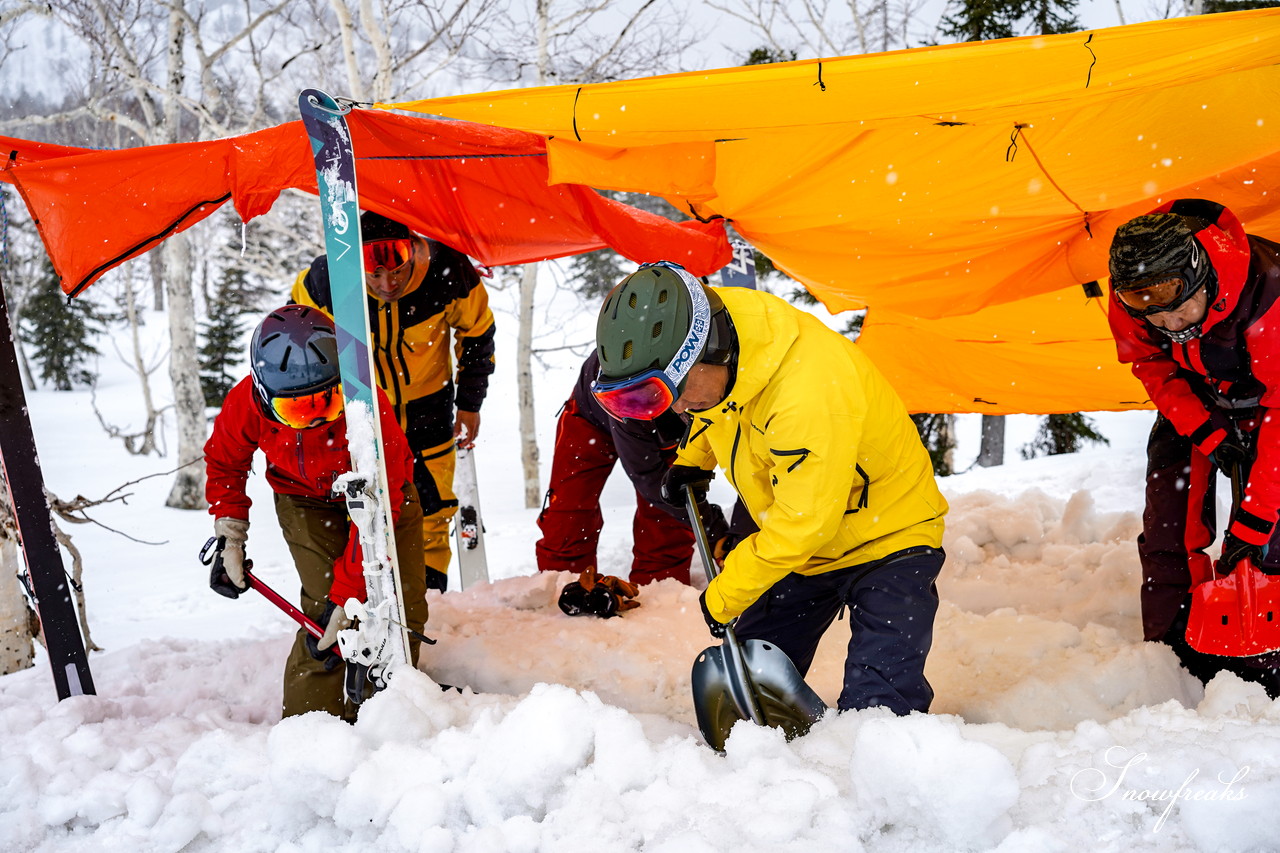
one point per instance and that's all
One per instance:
(659, 317)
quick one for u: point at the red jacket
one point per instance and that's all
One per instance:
(1233, 365)
(299, 462)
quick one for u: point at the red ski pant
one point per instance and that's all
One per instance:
(1178, 526)
(571, 520)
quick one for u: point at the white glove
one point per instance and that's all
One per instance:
(338, 621)
(236, 533)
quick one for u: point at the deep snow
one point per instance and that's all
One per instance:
(1054, 729)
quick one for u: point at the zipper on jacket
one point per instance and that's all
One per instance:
(733, 455)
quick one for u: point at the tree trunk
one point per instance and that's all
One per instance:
(184, 371)
(524, 386)
(992, 449)
(18, 627)
(157, 282)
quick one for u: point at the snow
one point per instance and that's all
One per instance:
(1054, 729)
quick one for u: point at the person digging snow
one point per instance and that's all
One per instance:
(1195, 310)
(291, 408)
(822, 454)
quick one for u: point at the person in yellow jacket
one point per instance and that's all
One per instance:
(418, 291)
(821, 452)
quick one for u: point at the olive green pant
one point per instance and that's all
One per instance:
(316, 531)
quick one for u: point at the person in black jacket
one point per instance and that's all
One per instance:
(421, 293)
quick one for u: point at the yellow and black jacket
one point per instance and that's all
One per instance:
(412, 357)
(820, 449)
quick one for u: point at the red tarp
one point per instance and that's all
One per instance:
(479, 189)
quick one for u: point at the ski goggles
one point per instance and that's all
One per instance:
(647, 395)
(391, 255)
(1167, 291)
(309, 410)
(642, 397)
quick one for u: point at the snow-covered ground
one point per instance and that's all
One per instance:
(1054, 729)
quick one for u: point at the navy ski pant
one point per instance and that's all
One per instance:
(892, 603)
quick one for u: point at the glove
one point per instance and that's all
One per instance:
(599, 595)
(1232, 452)
(679, 476)
(717, 629)
(333, 620)
(1234, 550)
(227, 576)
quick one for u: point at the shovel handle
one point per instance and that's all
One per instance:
(275, 598)
(700, 533)
(736, 656)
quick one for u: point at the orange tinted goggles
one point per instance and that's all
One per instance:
(309, 410)
(391, 255)
(1158, 296)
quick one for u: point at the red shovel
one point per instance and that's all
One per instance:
(1237, 614)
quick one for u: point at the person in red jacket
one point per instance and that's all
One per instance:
(1195, 309)
(291, 408)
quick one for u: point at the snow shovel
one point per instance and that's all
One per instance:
(752, 680)
(1237, 614)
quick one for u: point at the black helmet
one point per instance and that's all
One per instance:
(1161, 250)
(294, 353)
(375, 226)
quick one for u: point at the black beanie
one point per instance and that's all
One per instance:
(1148, 246)
(375, 226)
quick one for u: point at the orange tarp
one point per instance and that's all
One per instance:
(932, 185)
(483, 190)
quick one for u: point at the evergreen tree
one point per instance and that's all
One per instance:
(937, 432)
(1063, 434)
(976, 20)
(223, 333)
(60, 331)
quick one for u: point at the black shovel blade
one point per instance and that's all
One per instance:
(721, 695)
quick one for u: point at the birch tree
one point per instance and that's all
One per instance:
(578, 41)
(809, 29)
(159, 73)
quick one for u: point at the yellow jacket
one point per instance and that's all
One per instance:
(412, 358)
(820, 449)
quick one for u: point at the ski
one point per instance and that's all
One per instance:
(468, 524)
(380, 639)
(50, 587)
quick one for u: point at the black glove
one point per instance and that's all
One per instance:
(1235, 549)
(597, 594)
(227, 575)
(717, 629)
(573, 599)
(679, 476)
(219, 579)
(1232, 452)
(322, 648)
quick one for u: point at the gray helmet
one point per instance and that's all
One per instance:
(294, 352)
(658, 316)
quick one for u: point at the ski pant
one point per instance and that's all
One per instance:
(571, 520)
(316, 532)
(892, 603)
(1178, 525)
(433, 475)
